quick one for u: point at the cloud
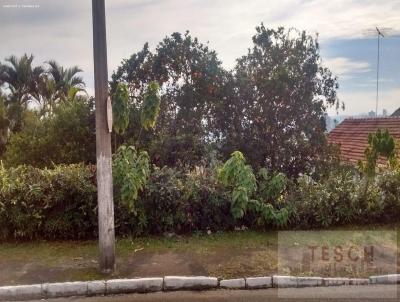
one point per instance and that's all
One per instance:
(62, 30)
(227, 24)
(347, 19)
(345, 67)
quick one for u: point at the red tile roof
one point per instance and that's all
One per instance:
(396, 113)
(352, 135)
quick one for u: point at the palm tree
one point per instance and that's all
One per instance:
(46, 94)
(20, 79)
(65, 79)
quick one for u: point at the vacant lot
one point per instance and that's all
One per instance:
(235, 254)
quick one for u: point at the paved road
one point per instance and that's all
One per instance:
(347, 293)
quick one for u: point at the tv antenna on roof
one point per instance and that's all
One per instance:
(380, 33)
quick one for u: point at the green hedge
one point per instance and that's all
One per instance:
(344, 198)
(174, 201)
(57, 203)
(60, 203)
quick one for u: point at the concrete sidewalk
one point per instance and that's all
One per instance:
(347, 293)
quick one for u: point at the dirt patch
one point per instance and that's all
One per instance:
(150, 264)
(228, 262)
(26, 272)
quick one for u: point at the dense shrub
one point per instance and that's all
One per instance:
(50, 203)
(344, 198)
(389, 185)
(184, 202)
(322, 204)
(60, 203)
(240, 180)
(65, 137)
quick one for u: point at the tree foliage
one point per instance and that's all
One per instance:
(120, 104)
(271, 106)
(20, 80)
(67, 136)
(23, 84)
(4, 125)
(58, 203)
(279, 93)
(190, 76)
(66, 81)
(131, 171)
(57, 85)
(380, 144)
(29, 95)
(151, 106)
(271, 186)
(240, 179)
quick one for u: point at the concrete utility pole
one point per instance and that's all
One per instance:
(103, 141)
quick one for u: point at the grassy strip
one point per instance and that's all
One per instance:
(230, 254)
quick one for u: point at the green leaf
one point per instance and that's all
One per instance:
(120, 106)
(131, 172)
(151, 106)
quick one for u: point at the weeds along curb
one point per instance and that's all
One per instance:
(176, 283)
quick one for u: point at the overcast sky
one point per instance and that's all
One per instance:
(62, 30)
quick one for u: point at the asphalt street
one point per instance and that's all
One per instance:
(316, 294)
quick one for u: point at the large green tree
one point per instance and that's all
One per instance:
(271, 106)
(190, 76)
(278, 95)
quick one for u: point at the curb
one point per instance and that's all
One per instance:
(175, 283)
(258, 282)
(184, 283)
(233, 283)
(385, 279)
